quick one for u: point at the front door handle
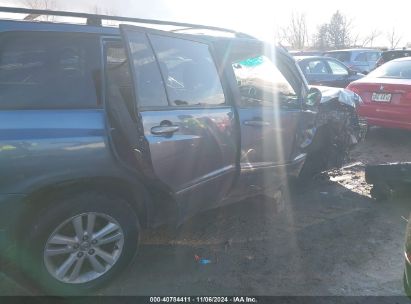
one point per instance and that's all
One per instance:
(256, 123)
(164, 130)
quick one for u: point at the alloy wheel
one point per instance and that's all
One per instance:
(83, 248)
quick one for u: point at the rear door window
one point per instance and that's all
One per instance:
(189, 72)
(149, 83)
(49, 70)
(337, 68)
(373, 56)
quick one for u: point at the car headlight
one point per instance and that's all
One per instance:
(357, 98)
(354, 97)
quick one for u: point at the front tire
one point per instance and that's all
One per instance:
(79, 243)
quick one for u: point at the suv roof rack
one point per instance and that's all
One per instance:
(96, 19)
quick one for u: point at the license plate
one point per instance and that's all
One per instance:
(381, 97)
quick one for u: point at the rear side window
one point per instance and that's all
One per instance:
(49, 70)
(188, 71)
(373, 56)
(341, 56)
(361, 57)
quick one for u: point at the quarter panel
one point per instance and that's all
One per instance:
(45, 146)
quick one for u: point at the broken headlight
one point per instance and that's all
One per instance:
(357, 99)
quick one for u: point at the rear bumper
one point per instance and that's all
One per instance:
(386, 116)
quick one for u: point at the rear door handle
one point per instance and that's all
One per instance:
(164, 130)
(256, 123)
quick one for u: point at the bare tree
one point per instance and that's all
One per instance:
(104, 11)
(295, 34)
(369, 40)
(39, 4)
(393, 38)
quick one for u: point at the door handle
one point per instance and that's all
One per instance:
(256, 123)
(164, 130)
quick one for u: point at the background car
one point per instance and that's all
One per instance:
(305, 53)
(361, 60)
(386, 95)
(326, 71)
(391, 55)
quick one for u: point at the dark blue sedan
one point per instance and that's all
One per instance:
(326, 71)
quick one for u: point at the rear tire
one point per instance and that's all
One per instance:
(80, 242)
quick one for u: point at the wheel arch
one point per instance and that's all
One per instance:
(134, 192)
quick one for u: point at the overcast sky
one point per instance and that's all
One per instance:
(260, 18)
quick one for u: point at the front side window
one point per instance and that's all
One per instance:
(316, 67)
(49, 71)
(188, 71)
(262, 83)
(337, 68)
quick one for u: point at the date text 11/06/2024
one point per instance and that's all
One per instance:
(203, 300)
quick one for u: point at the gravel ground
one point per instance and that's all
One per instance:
(331, 239)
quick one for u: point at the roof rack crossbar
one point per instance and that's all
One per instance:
(96, 19)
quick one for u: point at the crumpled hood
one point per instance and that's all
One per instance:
(344, 96)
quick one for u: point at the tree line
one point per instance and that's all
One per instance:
(338, 33)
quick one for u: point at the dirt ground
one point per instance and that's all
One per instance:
(331, 239)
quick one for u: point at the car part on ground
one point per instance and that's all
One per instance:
(338, 130)
(388, 179)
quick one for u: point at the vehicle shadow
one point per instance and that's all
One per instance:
(327, 241)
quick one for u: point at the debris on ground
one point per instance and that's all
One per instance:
(201, 261)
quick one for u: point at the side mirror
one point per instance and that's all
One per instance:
(314, 97)
(352, 72)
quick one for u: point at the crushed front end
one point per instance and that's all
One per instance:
(336, 129)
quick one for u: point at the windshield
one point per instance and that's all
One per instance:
(394, 69)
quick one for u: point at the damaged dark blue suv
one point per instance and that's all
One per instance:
(105, 131)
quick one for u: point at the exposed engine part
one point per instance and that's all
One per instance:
(337, 130)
